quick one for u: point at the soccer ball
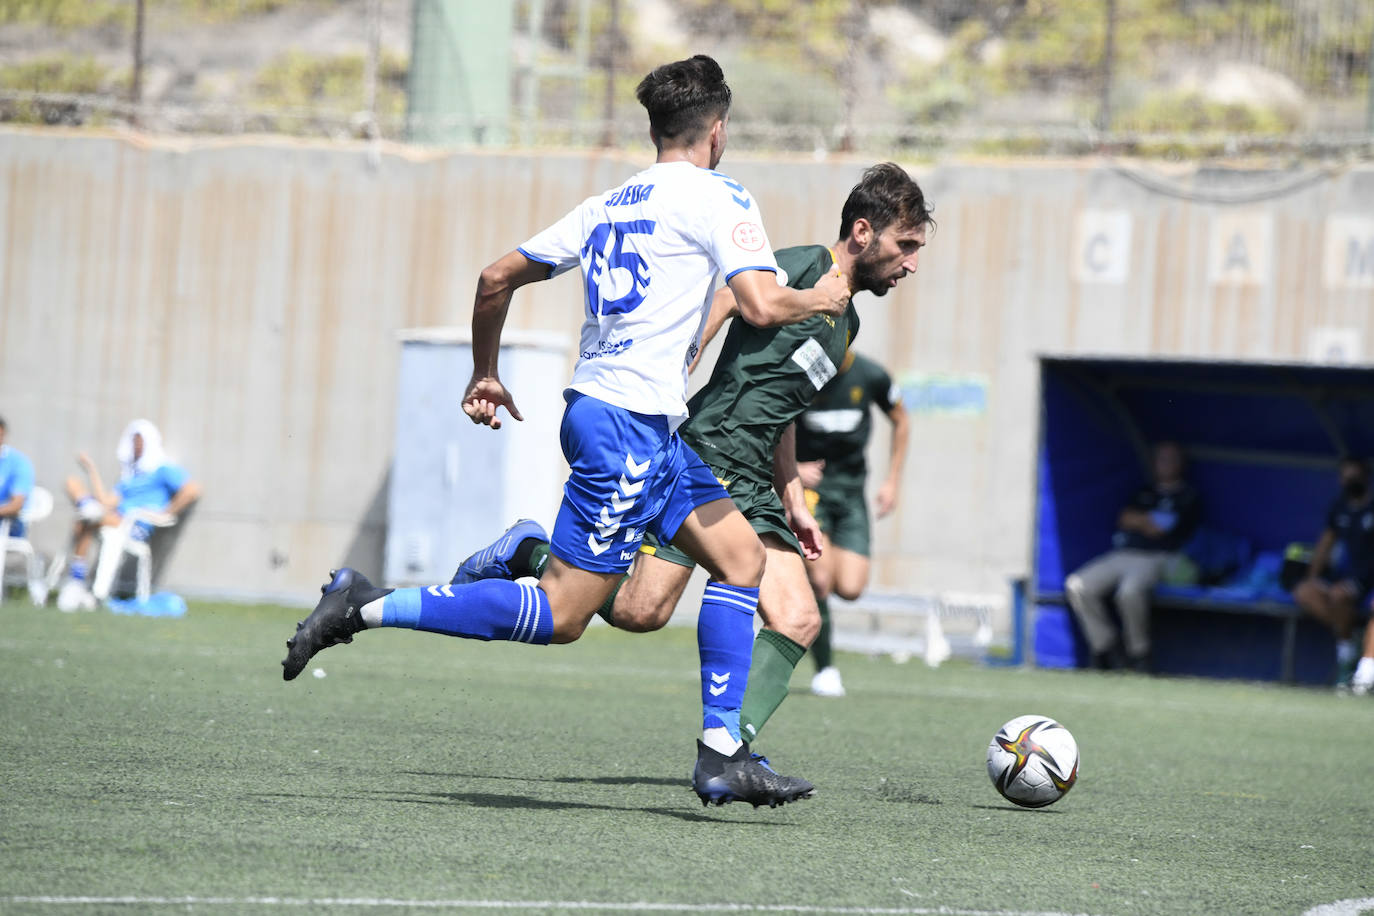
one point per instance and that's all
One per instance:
(1033, 761)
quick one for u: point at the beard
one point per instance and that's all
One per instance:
(864, 272)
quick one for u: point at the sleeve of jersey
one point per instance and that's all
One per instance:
(23, 478)
(558, 246)
(736, 238)
(886, 392)
(173, 478)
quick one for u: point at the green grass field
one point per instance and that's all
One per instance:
(160, 765)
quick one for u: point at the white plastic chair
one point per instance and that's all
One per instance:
(117, 542)
(37, 507)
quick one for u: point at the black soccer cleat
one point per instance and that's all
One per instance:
(335, 619)
(745, 777)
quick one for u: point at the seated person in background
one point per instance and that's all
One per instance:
(1341, 574)
(1151, 530)
(16, 483)
(147, 480)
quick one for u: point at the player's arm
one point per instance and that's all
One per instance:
(723, 308)
(103, 496)
(1134, 518)
(495, 286)
(896, 461)
(11, 507)
(186, 494)
(789, 487)
(810, 473)
(765, 304)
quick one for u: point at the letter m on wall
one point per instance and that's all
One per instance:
(1348, 256)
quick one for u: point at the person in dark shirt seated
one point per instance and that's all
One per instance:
(1151, 530)
(1337, 587)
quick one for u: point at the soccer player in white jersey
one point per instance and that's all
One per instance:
(650, 252)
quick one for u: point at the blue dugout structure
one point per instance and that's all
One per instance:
(1262, 441)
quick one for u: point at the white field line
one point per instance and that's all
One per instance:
(1351, 907)
(554, 905)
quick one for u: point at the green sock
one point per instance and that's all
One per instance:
(539, 558)
(607, 609)
(775, 658)
(820, 649)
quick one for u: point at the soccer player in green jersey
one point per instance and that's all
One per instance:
(831, 437)
(741, 426)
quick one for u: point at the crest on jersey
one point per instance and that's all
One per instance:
(748, 236)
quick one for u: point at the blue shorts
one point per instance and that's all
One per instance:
(629, 475)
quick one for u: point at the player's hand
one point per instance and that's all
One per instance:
(85, 461)
(887, 498)
(835, 287)
(803, 525)
(810, 473)
(483, 397)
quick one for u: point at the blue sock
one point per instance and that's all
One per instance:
(78, 570)
(725, 639)
(489, 609)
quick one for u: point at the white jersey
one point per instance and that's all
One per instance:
(650, 251)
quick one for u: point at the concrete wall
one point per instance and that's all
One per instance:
(245, 295)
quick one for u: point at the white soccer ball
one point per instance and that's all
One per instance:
(1033, 761)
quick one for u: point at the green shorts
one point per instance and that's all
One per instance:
(758, 502)
(842, 513)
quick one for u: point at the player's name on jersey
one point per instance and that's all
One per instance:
(630, 194)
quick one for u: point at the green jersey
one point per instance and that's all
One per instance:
(837, 425)
(765, 377)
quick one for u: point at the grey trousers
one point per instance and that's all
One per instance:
(1128, 575)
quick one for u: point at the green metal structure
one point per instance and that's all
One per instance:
(459, 89)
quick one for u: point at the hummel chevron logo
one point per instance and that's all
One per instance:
(630, 489)
(439, 591)
(618, 507)
(636, 470)
(722, 682)
(597, 547)
(608, 526)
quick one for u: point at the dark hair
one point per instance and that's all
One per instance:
(683, 98)
(885, 194)
(2, 423)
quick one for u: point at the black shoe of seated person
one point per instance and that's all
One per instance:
(1107, 661)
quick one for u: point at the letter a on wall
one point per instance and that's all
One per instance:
(1240, 250)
